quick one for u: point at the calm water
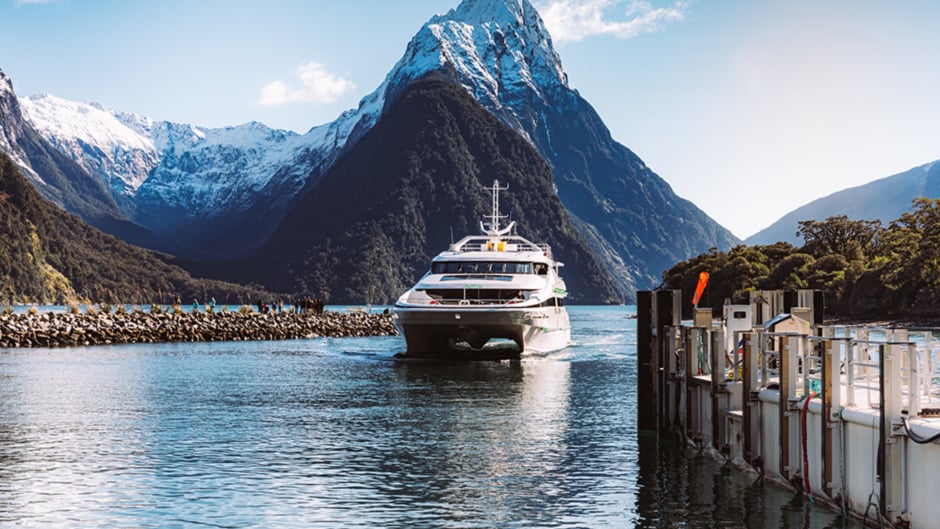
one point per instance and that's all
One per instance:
(337, 433)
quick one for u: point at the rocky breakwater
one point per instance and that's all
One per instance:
(69, 329)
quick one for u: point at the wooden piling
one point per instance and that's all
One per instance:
(691, 370)
(668, 313)
(647, 368)
(682, 358)
(715, 348)
(789, 360)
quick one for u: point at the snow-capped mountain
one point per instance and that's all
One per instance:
(499, 50)
(207, 191)
(502, 54)
(56, 176)
(169, 176)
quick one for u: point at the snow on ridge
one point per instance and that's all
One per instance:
(11, 128)
(519, 26)
(495, 46)
(248, 136)
(214, 169)
(92, 136)
(479, 12)
(111, 131)
(6, 85)
(141, 125)
(63, 119)
(500, 50)
(498, 47)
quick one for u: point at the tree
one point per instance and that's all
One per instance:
(853, 239)
(912, 257)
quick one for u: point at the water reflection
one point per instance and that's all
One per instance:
(489, 437)
(49, 441)
(676, 484)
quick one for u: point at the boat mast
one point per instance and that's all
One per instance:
(492, 228)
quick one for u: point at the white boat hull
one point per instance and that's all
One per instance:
(436, 331)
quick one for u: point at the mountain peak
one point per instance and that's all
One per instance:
(506, 37)
(499, 50)
(479, 12)
(12, 127)
(6, 85)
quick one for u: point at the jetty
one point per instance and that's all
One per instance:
(847, 415)
(51, 329)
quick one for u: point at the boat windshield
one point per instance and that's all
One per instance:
(481, 267)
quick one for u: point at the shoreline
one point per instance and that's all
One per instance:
(51, 329)
(897, 323)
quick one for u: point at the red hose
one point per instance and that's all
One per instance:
(803, 435)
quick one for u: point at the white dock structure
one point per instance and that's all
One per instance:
(848, 415)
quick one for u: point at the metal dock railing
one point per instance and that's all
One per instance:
(849, 415)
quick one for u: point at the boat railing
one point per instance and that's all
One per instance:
(503, 244)
(860, 356)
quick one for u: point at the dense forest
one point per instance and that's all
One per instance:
(866, 270)
(50, 256)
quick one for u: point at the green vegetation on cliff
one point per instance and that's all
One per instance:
(50, 256)
(865, 269)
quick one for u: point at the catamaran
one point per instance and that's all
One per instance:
(486, 289)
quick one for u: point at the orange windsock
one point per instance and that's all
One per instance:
(700, 287)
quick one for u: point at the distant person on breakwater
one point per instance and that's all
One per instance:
(305, 305)
(195, 305)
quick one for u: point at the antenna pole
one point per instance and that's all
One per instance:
(494, 215)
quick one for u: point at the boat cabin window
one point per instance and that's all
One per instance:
(482, 267)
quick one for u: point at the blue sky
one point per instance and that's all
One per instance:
(749, 109)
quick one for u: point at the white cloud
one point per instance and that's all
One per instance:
(316, 86)
(575, 20)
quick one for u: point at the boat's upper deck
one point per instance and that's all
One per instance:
(504, 248)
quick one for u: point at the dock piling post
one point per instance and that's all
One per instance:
(831, 399)
(751, 404)
(682, 357)
(656, 311)
(672, 390)
(691, 369)
(668, 313)
(715, 348)
(647, 399)
(784, 363)
(890, 462)
(789, 430)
